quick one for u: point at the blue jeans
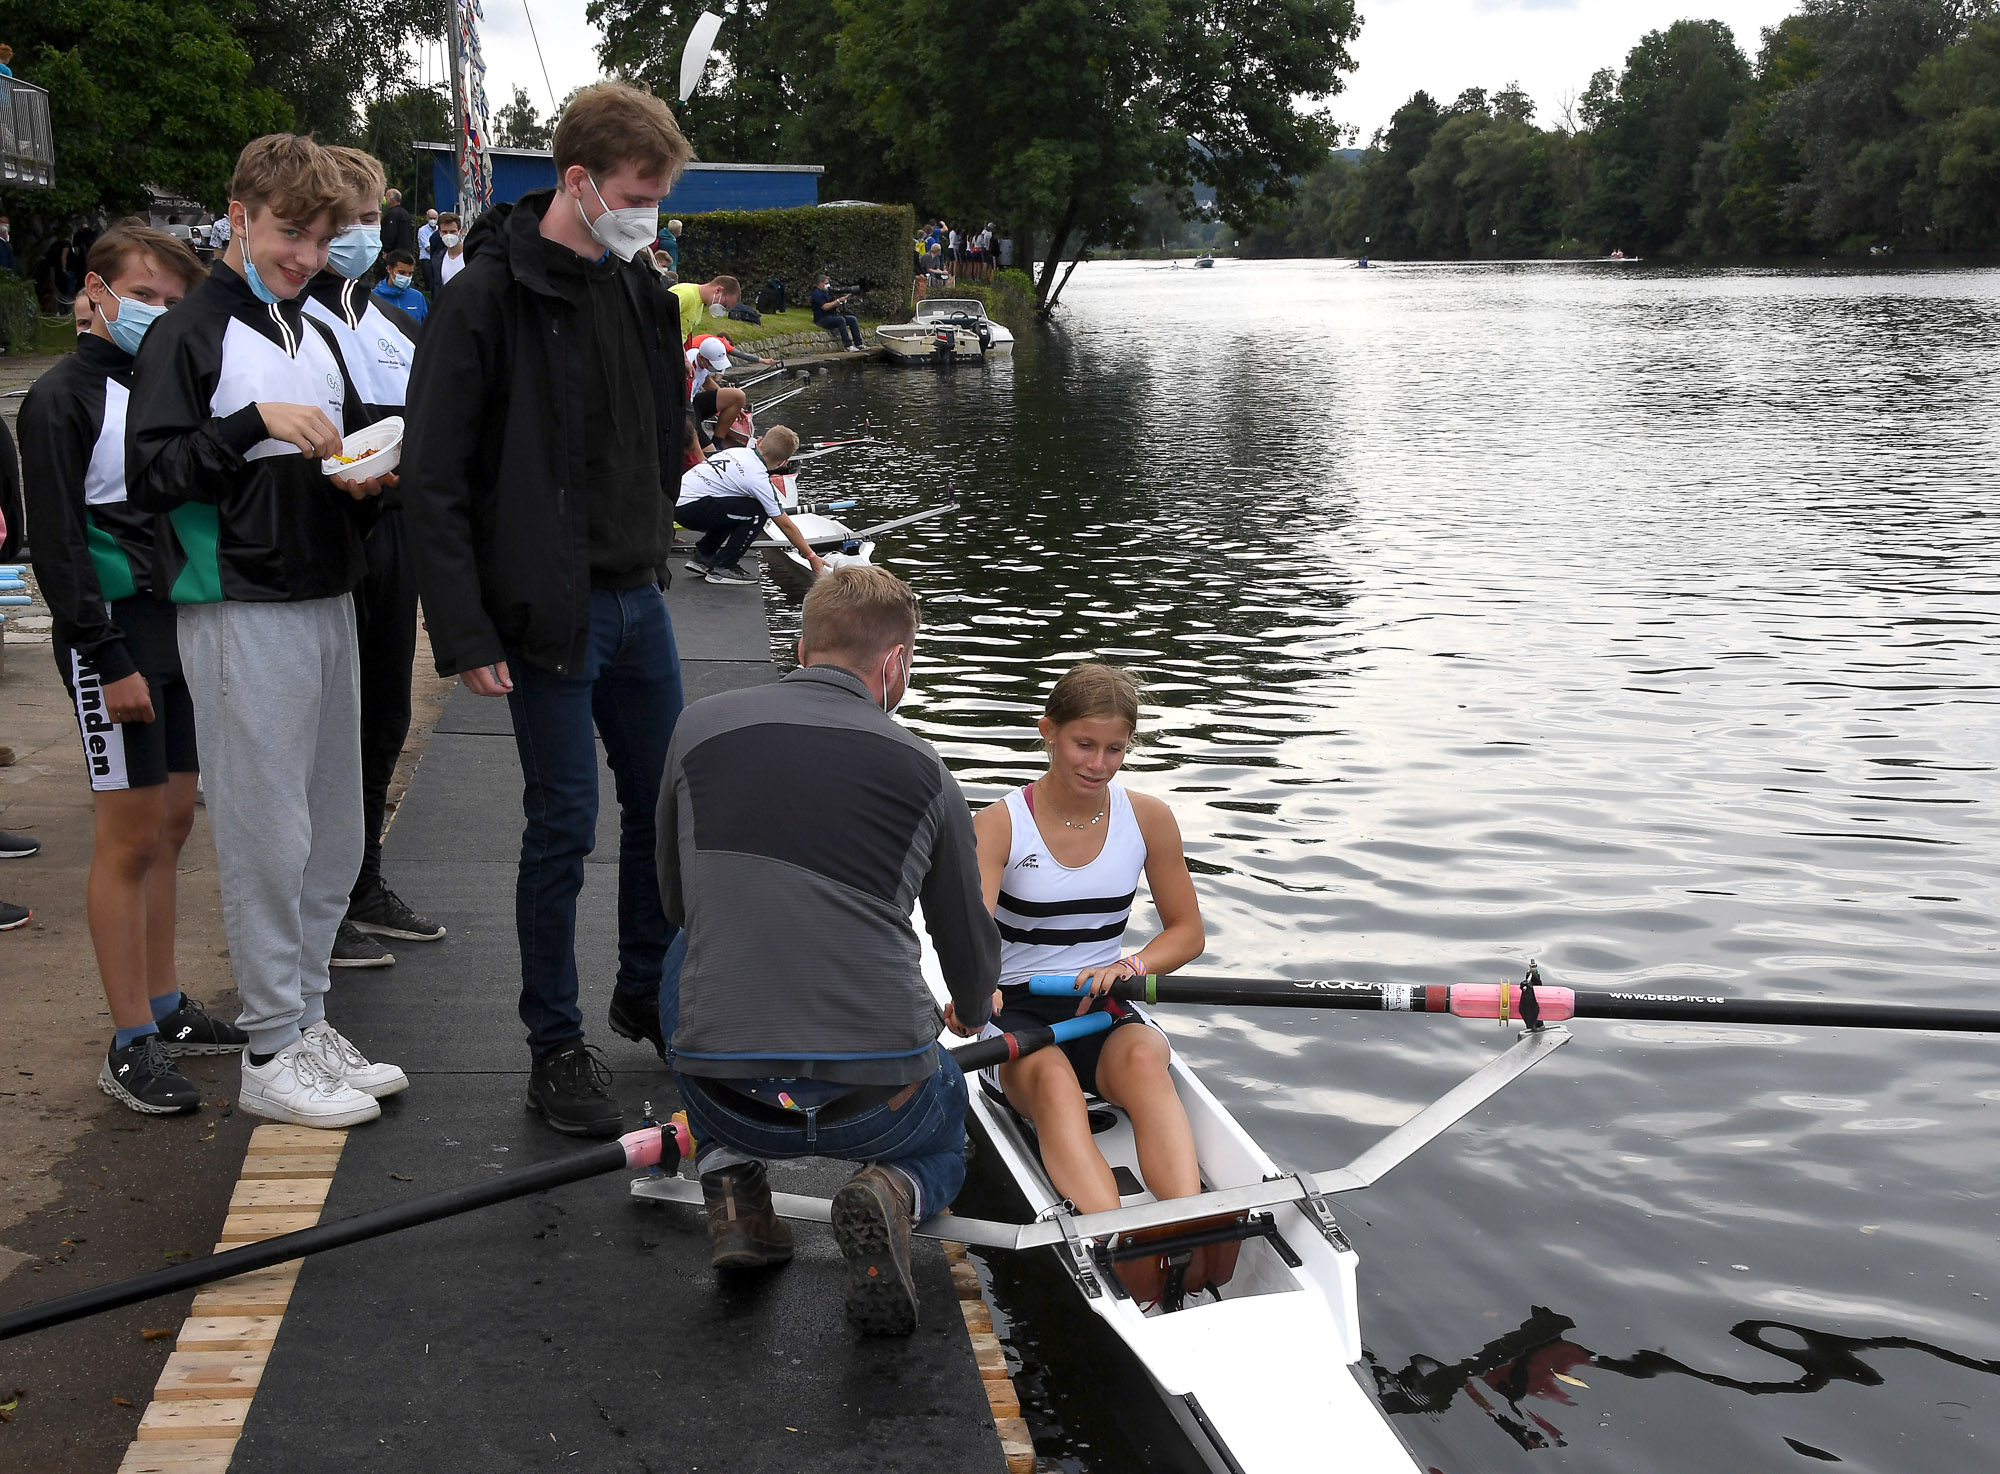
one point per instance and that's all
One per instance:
(629, 689)
(925, 1138)
(845, 327)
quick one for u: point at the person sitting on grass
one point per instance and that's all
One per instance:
(115, 644)
(1060, 862)
(827, 306)
(728, 497)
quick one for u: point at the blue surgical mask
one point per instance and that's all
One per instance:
(129, 326)
(401, 281)
(264, 294)
(354, 250)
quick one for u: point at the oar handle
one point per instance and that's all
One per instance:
(1000, 1049)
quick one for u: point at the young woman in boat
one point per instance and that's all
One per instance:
(1060, 862)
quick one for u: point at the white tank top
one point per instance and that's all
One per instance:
(1055, 919)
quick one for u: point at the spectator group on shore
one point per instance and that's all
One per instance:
(235, 588)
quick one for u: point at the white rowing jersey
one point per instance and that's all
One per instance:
(1056, 919)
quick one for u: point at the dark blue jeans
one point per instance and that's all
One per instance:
(629, 690)
(925, 1138)
(845, 327)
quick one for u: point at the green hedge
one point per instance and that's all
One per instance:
(20, 316)
(868, 244)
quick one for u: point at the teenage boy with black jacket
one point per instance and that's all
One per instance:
(115, 646)
(377, 344)
(235, 402)
(547, 420)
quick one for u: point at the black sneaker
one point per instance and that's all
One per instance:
(190, 1029)
(698, 565)
(636, 1016)
(17, 846)
(352, 947)
(566, 1086)
(12, 916)
(381, 912)
(734, 573)
(142, 1078)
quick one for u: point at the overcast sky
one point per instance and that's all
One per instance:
(1444, 46)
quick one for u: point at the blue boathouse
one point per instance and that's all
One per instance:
(703, 187)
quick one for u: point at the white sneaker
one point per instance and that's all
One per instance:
(296, 1087)
(350, 1064)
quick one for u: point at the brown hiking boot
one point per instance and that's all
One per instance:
(871, 1223)
(743, 1232)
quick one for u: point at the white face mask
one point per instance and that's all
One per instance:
(624, 233)
(451, 238)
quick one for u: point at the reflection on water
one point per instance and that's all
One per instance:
(1639, 621)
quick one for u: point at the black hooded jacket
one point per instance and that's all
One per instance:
(248, 518)
(495, 464)
(92, 547)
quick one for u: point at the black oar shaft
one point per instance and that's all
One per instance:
(629, 1151)
(609, 1157)
(1542, 1002)
(1829, 1014)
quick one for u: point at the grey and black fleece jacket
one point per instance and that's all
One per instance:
(798, 826)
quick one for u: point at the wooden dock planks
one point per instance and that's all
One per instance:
(204, 1392)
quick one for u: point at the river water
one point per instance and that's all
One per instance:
(1640, 621)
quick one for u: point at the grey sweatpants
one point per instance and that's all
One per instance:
(277, 716)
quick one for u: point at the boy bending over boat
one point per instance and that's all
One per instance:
(1059, 862)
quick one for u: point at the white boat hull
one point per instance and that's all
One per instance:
(1260, 1379)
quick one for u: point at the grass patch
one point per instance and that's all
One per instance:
(776, 325)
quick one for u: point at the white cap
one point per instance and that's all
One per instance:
(712, 350)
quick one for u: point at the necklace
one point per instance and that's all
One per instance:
(1094, 819)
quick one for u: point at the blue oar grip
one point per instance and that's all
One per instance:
(1075, 1028)
(1055, 985)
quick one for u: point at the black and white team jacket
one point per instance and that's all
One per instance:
(91, 545)
(376, 342)
(248, 518)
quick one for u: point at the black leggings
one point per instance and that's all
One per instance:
(731, 524)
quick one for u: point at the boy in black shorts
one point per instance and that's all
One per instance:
(115, 644)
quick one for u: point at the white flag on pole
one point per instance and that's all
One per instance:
(700, 41)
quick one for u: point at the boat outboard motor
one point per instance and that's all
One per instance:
(944, 344)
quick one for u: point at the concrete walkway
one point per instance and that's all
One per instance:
(577, 1329)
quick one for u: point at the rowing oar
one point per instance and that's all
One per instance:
(635, 1149)
(777, 399)
(1530, 1002)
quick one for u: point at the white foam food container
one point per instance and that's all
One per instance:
(379, 448)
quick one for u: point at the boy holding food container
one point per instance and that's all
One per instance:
(376, 344)
(237, 402)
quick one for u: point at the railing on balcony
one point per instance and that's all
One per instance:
(27, 143)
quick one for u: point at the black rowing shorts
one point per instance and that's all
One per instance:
(123, 755)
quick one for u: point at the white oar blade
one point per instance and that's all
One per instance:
(700, 41)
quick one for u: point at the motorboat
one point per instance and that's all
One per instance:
(945, 330)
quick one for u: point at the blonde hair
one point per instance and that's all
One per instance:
(857, 613)
(614, 123)
(1090, 691)
(363, 171)
(779, 439)
(291, 176)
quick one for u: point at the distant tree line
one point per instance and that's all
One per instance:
(1860, 123)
